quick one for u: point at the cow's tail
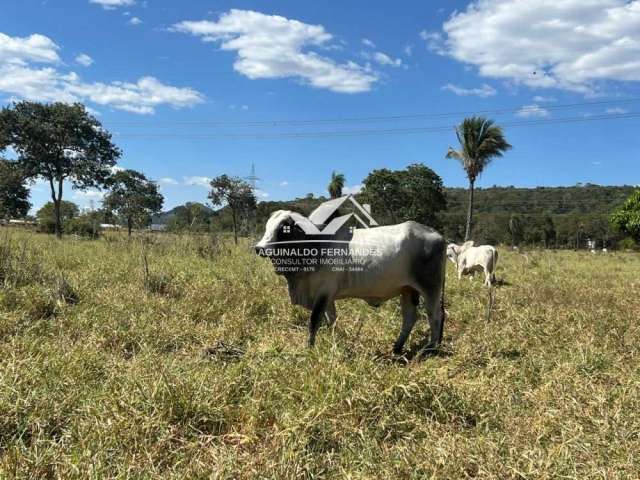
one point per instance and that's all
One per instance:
(494, 261)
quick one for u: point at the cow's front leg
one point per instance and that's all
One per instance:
(317, 313)
(409, 304)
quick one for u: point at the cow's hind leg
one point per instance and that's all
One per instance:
(330, 314)
(409, 303)
(487, 277)
(432, 292)
(316, 317)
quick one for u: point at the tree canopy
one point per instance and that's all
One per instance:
(481, 140)
(58, 142)
(235, 193)
(191, 216)
(133, 197)
(627, 218)
(336, 184)
(14, 194)
(46, 216)
(415, 193)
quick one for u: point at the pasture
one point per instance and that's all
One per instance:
(198, 368)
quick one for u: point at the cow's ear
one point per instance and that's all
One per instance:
(468, 244)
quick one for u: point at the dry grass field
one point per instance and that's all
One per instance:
(199, 369)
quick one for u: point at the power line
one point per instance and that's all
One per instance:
(371, 132)
(379, 118)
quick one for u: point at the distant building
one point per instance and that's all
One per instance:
(25, 223)
(158, 227)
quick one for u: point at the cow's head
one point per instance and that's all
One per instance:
(281, 227)
(453, 251)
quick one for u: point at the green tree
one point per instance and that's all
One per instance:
(48, 215)
(549, 230)
(236, 194)
(14, 195)
(58, 142)
(480, 142)
(133, 197)
(336, 185)
(415, 193)
(192, 216)
(515, 229)
(627, 218)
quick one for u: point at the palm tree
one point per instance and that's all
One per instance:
(336, 185)
(481, 140)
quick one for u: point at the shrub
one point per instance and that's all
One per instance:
(84, 226)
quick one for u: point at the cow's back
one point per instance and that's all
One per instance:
(404, 253)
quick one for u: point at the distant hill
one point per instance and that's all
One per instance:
(550, 216)
(164, 217)
(585, 198)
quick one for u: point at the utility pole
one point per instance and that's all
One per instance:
(253, 180)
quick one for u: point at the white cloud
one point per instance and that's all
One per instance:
(261, 194)
(135, 21)
(284, 183)
(89, 194)
(39, 84)
(34, 48)
(168, 181)
(542, 99)
(21, 79)
(271, 46)
(198, 181)
(532, 111)
(140, 97)
(408, 50)
(84, 60)
(616, 110)
(484, 91)
(434, 41)
(354, 189)
(384, 59)
(565, 44)
(368, 43)
(111, 4)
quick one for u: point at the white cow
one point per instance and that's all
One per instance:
(469, 259)
(406, 260)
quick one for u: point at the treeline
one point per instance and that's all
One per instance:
(550, 217)
(553, 217)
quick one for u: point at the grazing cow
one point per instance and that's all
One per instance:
(469, 259)
(406, 260)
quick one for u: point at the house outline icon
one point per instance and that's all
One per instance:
(318, 218)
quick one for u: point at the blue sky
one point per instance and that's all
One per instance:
(179, 70)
